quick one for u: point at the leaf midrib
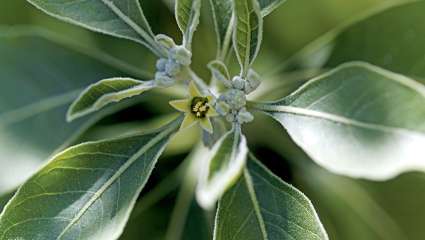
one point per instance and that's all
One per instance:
(335, 118)
(117, 175)
(151, 44)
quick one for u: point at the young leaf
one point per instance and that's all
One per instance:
(87, 191)
(263, 207)
(268, 6)
(248, 32)
(187, 16)
(358, 120)
(38, 85)
(398, 48)
(222, 14)
(118, 18)
(219, 72)
(226, 162)
(104, 92)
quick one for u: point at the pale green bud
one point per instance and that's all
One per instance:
(181, 55)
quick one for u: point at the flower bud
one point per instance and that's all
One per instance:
(161, 64)
(163, 80)
(172, 68)
(252, 82)
(238, 83)
(244, 116)
(181, 55)
(236, 99)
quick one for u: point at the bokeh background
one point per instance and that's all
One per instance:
(350, 209)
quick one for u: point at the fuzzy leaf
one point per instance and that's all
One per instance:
(225, 164)
(118, 18)
(104, 92)
(268, 6)
(87, 191)
(187, 16)
(222, 14)
(248, 32)
(37, 87)
(358, 120)
(4, 199)
(263, 207)
(219, 72)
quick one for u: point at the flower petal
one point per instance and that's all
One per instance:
(181, 105)
(206, 124)
(193, 90)
(188, 121)
(212, 112)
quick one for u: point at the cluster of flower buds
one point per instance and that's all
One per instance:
(232, 102)
(168, 69)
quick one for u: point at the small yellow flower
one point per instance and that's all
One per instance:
(197, 108)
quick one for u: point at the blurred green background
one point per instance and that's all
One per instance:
(350, 209)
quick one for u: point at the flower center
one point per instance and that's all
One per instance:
(199, 106)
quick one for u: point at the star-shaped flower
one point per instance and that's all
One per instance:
(197, 108)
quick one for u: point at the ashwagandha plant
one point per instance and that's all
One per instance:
(357, 120)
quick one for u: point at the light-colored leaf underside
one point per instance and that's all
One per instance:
(187, 16)
(119, 18)
(358, 120)
(263, 207)
(85, 192)
(225, 164)
(248, 30)
(105, 92)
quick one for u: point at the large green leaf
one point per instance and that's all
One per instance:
(357, 120)
(104, 92)
(222, 14)
(268, 6)
(392, 39)
(40, 75)
(86, 191)
(187, 16)
(226, 162)
(4, 199)
(248, 32)
(119, 18)
(263, 207)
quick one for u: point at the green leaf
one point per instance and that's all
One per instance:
(268, 6)
(222, 15)
(87, 191)
(248, 32)
(261, 206)
(104, 92)
(225, 165)
(357, 120)
(118, 18)
(37, 87)
(220, 72)
(4, 199)
(187, 16)
(398, 48)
